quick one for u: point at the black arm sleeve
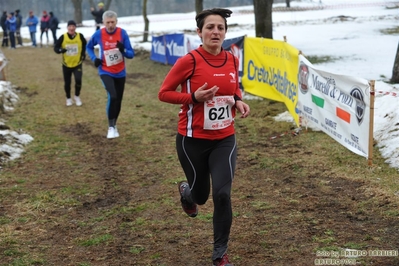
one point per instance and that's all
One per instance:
(84, 42)
(58, 44)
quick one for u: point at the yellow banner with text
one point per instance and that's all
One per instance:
(270, 70)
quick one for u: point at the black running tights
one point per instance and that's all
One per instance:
(77, 73)
(205, 160)
(115, 88)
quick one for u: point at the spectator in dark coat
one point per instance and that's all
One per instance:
(18, 37)
(98, 15)
(44, 26)
(4, 28)
(53, 26)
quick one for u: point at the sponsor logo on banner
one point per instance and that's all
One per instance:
(303, 75)
(360, 104)
(167, 48)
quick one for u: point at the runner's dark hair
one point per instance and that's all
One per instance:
(224, 13)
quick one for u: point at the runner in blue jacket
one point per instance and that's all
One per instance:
(114, 44)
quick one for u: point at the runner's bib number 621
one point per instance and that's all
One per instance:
(113, 57)
(217, 112)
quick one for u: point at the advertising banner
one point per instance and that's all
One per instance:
(270, 70)
(192, 42)
(174, 44)
(167, 48)
(158, 51)
(337, 104)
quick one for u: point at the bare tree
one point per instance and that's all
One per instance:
(199, 6)
(146, 21)
(263, 18)
(91, 3)
(395, 70)
(107, 4)
(77, 4)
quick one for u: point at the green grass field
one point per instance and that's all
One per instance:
(77, 198)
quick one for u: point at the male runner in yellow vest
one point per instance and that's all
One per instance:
(72, 46)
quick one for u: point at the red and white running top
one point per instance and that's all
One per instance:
(213, 119)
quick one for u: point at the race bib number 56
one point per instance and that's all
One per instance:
(217, 112)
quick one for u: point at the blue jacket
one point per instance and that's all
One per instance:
(32, 22)
(11, 24)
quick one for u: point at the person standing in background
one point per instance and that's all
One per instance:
(72, 46)
(205, 83)
(98, 14)
(11, 25)
(53, 24)
(18, 37)
(4, 28)
(114, 46)
(44, 26)
(32, 22)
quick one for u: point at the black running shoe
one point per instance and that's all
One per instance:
(190, 208)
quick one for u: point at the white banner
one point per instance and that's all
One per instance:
(191, 42)
(337, 104)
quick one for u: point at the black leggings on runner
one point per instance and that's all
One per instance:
(204, 160)
(77, 73)
(115, 88)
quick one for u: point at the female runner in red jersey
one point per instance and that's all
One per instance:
(205, 142)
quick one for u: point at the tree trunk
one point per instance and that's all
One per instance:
(395, 70)
(107, 4)
(199, 6)
(77, 4)
(287, 3)
(263, 18)
(146, 21)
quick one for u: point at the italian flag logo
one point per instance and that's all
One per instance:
(339, 112)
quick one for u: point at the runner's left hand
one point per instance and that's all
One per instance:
(120, 46)
(243, 108)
